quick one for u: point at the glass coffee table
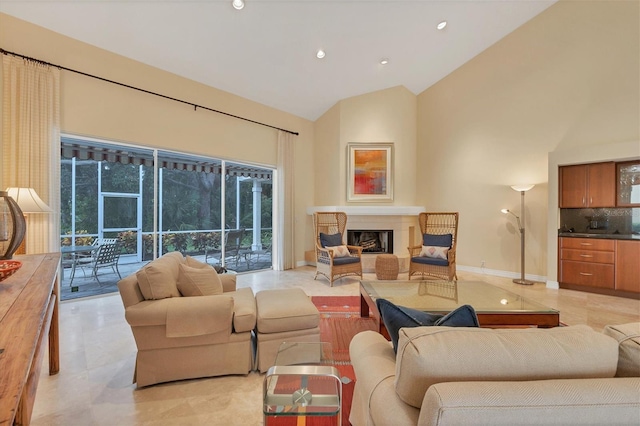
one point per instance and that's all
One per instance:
(303, 382)
(494, 306)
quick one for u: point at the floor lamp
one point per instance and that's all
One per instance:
(522, 189)
(29, 202)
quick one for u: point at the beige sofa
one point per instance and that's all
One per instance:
(477, 376)
(187, 337)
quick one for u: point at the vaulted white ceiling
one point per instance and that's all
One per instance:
(267, 51)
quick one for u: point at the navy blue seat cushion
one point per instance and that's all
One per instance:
(430, 261)
(444, 240)
(396, 317)
(345, 260)
(330, 240)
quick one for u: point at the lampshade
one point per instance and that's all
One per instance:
(12, 226)
(28, 200)
(520, 188)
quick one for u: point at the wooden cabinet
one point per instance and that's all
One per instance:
(600, 265)
(628, 184)
(588, 185)
(587, 262)
(628, 266)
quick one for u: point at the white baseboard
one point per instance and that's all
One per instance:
(553, 284)
(500, 273)
(482, 271)
(300, 263)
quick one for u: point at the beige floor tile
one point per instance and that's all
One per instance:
(94, 386)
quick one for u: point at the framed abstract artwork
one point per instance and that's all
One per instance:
(370, 171)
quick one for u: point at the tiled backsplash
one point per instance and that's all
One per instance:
(601, 220)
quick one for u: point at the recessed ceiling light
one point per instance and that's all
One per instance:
(320, 54)
(238, 4)
(441, 25)
(384, 61)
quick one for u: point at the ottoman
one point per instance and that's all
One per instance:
(387, 267)
(283, 315)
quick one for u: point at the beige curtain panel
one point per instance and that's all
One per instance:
(284, 255)
(31, 143)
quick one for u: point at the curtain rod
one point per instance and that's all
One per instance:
(195, 106)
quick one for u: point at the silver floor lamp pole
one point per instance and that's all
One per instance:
(522, 189)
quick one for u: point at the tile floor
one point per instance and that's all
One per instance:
(98, 354)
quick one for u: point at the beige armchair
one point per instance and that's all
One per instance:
(189, 337)
(335, 259)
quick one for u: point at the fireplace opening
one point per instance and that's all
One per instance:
(371, 241)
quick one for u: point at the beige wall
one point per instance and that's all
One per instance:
(383, 116)
(567, 81)
(102, 110)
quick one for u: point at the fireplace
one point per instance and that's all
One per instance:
(371, 240)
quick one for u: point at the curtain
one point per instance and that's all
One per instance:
(31, 143)
(284, 255)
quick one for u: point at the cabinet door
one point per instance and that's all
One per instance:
(602, 185)
(628, 266)
(629, 184)
(573, 186)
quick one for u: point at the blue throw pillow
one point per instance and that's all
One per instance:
(330, 240)
(396, 317)
(437, 240)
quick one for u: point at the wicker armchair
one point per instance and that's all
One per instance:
(329, 230)
(430, 260)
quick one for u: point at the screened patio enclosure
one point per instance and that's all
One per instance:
(156, 201)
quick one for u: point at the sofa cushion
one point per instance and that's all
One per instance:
(195, 263)
(429, 355)
(330, 240)
(628, 338)
(158, 279)
(198, 281)
(395, 317)
(601, 401)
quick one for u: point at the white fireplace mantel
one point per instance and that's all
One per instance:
(402, 220)
(370, 210)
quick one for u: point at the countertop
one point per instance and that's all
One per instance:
(600, 236)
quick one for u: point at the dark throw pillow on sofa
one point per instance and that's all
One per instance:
(395, 317)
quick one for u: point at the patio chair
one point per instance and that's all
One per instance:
(213, 251)
(264, 251)
(234, 249)
(436, 256)
(334, 259)
(107, 256)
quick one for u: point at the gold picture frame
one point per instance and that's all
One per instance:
(370, 171)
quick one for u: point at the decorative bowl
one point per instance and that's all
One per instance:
(8, 267)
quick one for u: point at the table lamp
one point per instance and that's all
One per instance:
(29, 202)
(12, 226)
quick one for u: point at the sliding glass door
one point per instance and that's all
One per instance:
(161, 201)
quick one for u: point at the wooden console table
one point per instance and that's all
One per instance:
(28, 316)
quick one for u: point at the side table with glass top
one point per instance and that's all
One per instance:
(303, 382)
